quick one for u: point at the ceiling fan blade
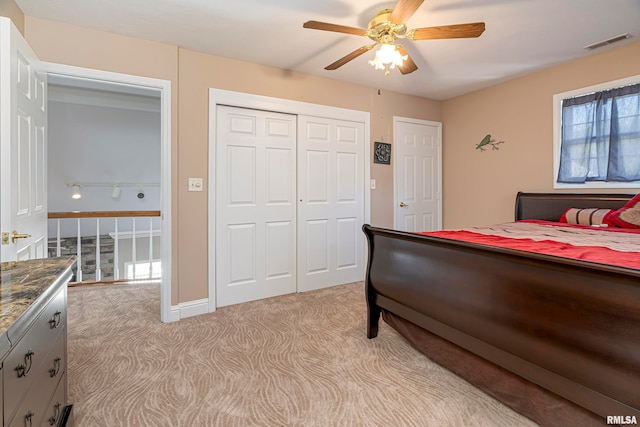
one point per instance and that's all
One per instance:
(447, 32)
(353, 55)
(315, 25)
(408, 66)
(404, 10)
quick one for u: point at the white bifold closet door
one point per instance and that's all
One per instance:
(330, 202)
(289, 203)
(255, 205)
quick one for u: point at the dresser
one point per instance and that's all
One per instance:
(33, 342)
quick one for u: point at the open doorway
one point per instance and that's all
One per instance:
(109, 139)
(104, 150)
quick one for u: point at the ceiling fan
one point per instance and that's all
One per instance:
(386, 27)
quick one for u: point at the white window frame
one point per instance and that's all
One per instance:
(157, 266)
(557, 134)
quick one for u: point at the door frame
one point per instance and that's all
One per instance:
(396, 201)
(167, 313)
(279, 105)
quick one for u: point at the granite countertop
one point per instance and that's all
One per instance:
(22, 282)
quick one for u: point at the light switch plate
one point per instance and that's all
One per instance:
(373, 184)
(195, 184)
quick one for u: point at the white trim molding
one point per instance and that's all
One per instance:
(189, 309)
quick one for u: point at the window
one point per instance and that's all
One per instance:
(143, 270)
(597, 136)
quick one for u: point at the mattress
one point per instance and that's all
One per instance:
(605, 245)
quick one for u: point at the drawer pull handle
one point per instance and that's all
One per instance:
(56, 367)
(56, 414)
(23, 369)
(55, 320)
(28, 419)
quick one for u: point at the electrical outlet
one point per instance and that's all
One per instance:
(195, 184)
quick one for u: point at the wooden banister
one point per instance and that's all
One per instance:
(103, 214)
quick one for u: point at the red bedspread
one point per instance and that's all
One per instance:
(624, 254)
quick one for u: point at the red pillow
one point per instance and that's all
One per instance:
(627, 216)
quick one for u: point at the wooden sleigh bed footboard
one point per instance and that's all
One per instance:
(570, 328)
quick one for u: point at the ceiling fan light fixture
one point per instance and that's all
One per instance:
(388, 26)
(387, 58)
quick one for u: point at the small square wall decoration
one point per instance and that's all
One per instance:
(382, 153)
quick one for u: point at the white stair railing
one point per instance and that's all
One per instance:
(85, 252)
(79, 254)
(116, 258)
(150, 247)
(98, 270)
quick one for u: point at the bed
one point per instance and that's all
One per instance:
(556, 339)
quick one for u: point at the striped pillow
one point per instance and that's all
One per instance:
(586, 216)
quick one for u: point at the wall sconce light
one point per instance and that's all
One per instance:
(115, 194)
(76, 192)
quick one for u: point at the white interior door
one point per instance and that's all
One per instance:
(255, 204)
(330, 202)
(23, 118)
(417, 175)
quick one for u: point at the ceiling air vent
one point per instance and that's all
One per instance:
(608, 41)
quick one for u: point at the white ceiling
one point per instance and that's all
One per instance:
(522, 36)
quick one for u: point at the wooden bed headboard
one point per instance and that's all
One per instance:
(551, 206)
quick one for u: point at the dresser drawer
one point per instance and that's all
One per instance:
(53, 317)
(42, 407)
(45, 368)
(57, 405)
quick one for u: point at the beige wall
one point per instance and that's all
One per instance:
(10, 9)
(191, 74)
(480, 187)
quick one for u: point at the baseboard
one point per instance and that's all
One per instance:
(174, 313)
(189, 309)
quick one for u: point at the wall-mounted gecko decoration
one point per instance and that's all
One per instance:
(488, 141)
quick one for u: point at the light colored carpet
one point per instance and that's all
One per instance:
(296, 360)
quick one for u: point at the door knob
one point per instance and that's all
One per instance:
(15, 236)
(403, 204)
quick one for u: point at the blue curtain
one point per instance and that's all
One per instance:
(601, 136)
